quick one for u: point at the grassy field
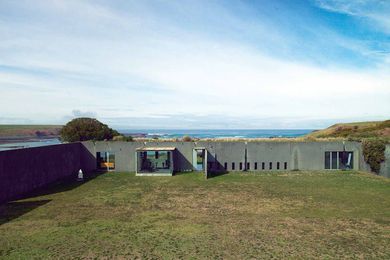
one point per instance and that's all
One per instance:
(28, 130)
(235, 216)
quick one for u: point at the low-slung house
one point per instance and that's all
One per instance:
(24, 170)
(164, 158)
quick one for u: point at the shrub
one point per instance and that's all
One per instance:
(122, 138)
(186, 138)
(83, 129)
(374, 153)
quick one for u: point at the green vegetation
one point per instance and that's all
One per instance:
(84, 129)
(355, 131)
(186, 138)
(374, 153)
(29, 130)
(329, 214)
(123, 138)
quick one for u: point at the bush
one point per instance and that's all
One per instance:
(122, 138)
(374, 153)
(186, 138)
(84, 129)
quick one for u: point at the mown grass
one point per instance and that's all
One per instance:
(235, 216)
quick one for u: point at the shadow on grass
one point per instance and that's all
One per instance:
(12, 210)
(216, 174)
(61, 186)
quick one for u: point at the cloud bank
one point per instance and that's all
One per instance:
(192, 63)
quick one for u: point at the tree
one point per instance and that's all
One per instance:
(83, 129)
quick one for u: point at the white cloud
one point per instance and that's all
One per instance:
(376, 11)
(149, 68)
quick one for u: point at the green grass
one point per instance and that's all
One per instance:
(16, 130)
(357, 130)
(236, 216)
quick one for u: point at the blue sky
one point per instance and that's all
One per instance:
(195, 64)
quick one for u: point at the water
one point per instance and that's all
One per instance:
(217, 133)
(176, 133)
(28, 144)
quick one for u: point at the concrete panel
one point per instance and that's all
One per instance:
(24, 170)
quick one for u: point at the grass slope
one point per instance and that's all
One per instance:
(355, 130)
(235, 216)
(28, 130)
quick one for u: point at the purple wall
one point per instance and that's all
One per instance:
(24, 170)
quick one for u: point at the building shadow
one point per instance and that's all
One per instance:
(214, 174)
(15, 209)
(63, 185)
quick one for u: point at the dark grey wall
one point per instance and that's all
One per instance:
(24, 170)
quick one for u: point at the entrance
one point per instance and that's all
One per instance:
(199, 159)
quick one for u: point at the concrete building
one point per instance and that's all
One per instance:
(25, 170)
(165, 158)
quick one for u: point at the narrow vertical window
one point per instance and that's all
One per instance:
(225, 166)
(263, 165)
(248, 166)
(255, 165)
(270, 165)
(334, 160)
(233, 166)
(349, 163)
(327, 160)
(240, 166)
(285, 165)
(278, 165)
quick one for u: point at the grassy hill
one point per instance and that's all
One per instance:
(356, 130)
(29, 130)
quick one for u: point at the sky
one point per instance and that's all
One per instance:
(195, 64)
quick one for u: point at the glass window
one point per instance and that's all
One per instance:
(342, 159)
(270, 165)
(105, 161)
(255, 165)
(240, 166)
(349, 160)
(248, 166)
(263, 165)
(327, 160)
(278, 165)
(233, 166)
(285, 165)
(155, 161)
(225, 166)
(334, 160)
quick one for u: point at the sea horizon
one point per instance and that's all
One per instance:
(215, 133)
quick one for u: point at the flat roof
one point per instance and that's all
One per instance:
(156, 148)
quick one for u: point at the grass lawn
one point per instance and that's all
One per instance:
(236, 216)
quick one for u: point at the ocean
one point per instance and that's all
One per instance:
(176, 133)
(216, 133)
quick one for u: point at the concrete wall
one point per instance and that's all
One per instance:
(24, 170)
(296, 155)
(385, 166)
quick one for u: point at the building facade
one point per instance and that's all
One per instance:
(165, 158)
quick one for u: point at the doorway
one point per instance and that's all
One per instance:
(199, 159)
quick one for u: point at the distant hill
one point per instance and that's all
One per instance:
(29, 131)
(355, 130)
